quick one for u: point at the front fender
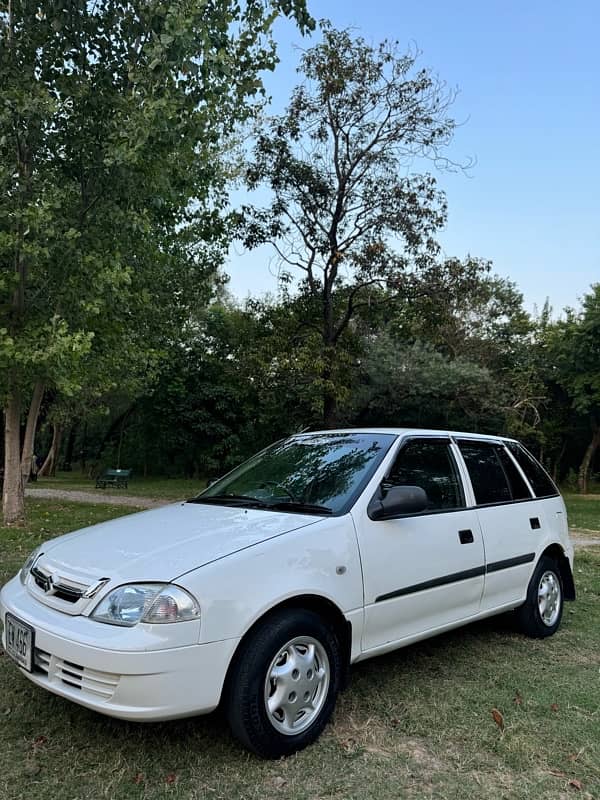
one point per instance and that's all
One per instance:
(320, 560)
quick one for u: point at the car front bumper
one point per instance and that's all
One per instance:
(142, 684)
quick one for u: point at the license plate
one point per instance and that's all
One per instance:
(19, 641)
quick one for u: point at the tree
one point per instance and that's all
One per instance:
(200, 418)
(575, 347)
(241, 379)
(415, 385)
(112, 118)
(463, 309)
(338, 163)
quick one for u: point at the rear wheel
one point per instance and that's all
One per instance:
(541, 613)
(284, 683)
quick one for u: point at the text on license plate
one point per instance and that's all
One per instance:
(19, 641)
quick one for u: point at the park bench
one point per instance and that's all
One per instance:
(118, 478)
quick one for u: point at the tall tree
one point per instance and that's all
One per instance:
(575, 347)
(339, 165)
(112, 117)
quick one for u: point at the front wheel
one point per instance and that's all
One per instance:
(541, 613)
(284, 683)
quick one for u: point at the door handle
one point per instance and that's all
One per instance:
(466, 536)
(535, 523)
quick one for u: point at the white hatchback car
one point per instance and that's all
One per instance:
(324, 549)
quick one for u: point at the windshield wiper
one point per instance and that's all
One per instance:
(237, 499)
(296, 505)
(257, 502)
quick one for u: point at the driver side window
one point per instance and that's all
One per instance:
(429, 463)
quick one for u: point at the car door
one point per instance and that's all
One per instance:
(510, 519)
(424, 570)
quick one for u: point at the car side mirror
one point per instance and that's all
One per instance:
(398, 501)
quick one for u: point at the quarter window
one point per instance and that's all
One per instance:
(429, 463)
(518, 487)
(537, 476)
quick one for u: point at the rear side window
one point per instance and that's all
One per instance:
(518, 487)
(488, 477)
(537, 476)
(429, 463)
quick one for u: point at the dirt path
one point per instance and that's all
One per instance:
(584, 541)
(92, 497)
(579, 540)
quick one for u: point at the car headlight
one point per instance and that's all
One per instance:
(146, 602)
(29, 564)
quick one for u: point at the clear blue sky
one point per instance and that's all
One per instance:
(529, 79)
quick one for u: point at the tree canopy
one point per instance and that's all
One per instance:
(116, 334)
(352, 207)
(112, 124)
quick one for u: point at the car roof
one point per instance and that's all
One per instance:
(410, 432)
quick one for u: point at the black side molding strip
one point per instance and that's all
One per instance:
(419, 587)
(495, 566)
(455, 577)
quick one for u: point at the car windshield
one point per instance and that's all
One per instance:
(311, 473)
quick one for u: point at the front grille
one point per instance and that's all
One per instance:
(84, 679)
(69, 591)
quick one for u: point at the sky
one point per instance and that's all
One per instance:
(528, 75)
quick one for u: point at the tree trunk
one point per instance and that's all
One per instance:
(330, 400)
(120, 443)
(56, 443)
(83, 452)
(13, 500)
(49, 465)
(557, 463)
(584, 469)
(329, 409)
(71, 445)
(110, 434)
(29, 439)
(329, 346)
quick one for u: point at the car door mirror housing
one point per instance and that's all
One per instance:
(397, 502)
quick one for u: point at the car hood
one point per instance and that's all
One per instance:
(164, 543)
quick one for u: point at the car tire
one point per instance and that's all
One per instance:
(284, 682)
(541, 613)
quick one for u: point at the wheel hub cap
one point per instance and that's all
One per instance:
(549, 597)
(296, 685)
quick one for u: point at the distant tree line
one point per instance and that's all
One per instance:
(461, 354)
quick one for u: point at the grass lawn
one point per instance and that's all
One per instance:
(413, 724)
(583, 511)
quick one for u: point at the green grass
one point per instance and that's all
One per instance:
(160, 488)
(414, 724)
(583, 511)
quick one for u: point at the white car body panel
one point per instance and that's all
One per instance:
(239, 563)
(393, 562)
(163, 543)
(303, 562)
